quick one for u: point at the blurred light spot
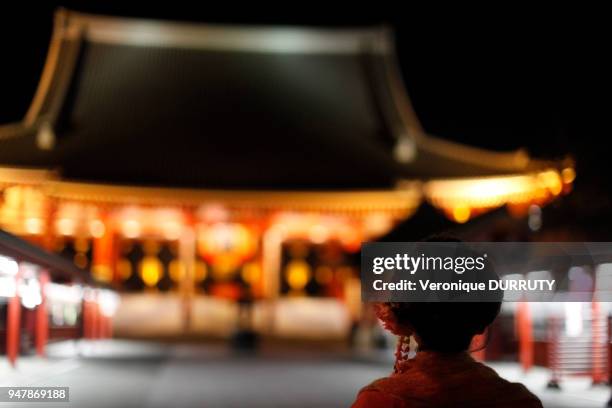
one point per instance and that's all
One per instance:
(298, 274)
(33, 226)
(461, 214)
(535, 217)
(97, 229)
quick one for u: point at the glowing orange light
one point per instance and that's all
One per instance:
(298, 274)
(176, 270)
(102, 273)
(568, 175)
(318, 233)
(150, 271)
(65, 226)
(131, 229)
(97, 229)
(476, 195)
(251, 272)
(124, 269)
(226, 240)
(224, 265)
(33, 226)
(172, 230)
(201, 271)
(461, 214)
(377, 224)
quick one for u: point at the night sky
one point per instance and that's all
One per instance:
(496, 79)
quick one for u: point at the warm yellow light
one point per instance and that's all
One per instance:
(97, 229)
(224, 266)
(150, 270)
(226, 239)
(131, 229)
(172, 230)
(478, 193)
(33, 226)
(461, 214)
(213, 213)
(377, 224)
(551, 180)
(568, 175)
(318, 233)
(298, 274)
(177, 270)
(556, 187)
(484, 193)
(201, 271)
(65, 226)
(102, 273)
(251, 272)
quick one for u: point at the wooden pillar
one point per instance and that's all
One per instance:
(99, 322)
(609, 348)
(554, 355)
(599, 346)
(13, 323)
(187, 254)
(85, 318)
(101, 326)
(106, 327)
(88, 314)
(104, 250)
(525, 335)
(109, 329)
(271, 254)
(272, 251)
(42, 317)
(48, 238)
(95, 317)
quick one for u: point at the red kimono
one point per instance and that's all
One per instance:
(436, 380)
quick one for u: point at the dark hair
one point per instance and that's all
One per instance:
(446, 326)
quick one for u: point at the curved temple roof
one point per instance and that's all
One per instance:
(147, 103)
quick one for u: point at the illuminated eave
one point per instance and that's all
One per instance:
(23, 176)
(401, 202)
(461, 199)
(474, 195)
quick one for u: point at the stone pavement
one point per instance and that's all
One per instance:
(135, 374)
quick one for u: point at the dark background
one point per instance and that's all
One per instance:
(499, 79)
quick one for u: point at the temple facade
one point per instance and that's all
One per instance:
(197, 167)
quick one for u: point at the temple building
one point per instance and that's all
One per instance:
(192, 167)
(44, 297)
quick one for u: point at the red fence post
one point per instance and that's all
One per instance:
(525, 335)
(609, 345)
(13, 324)
(87, 318)
(95, 318)
(609, 348)
(599, 358)
(42, 318)
(554, 358)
